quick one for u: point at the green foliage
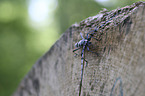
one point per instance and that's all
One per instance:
(21, 45)
(13, 33)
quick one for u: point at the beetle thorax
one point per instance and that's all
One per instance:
(81, 43)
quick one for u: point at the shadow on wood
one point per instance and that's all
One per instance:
(121, 52)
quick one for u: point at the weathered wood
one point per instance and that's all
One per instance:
(121, 55)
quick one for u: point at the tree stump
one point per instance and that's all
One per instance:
(117, 70)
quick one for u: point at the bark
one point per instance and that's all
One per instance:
(117, 68)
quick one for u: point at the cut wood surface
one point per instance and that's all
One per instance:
(117, 70)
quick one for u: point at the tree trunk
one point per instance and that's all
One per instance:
(116, 65)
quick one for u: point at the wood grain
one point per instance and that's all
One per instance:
(121, 55)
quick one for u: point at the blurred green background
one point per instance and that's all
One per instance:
(28, 28)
